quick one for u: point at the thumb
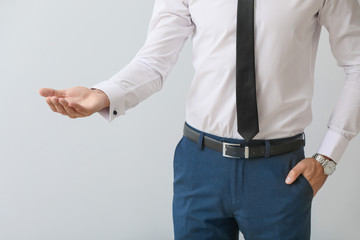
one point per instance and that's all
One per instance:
(295, 172)
(49, 92)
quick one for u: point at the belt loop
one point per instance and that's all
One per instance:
(267, 148)
(201, 141)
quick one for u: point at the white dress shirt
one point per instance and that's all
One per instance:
(286, 39)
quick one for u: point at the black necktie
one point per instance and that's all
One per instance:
(247, 115)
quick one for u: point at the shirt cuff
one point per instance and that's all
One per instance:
(116, 97)
(333, 145)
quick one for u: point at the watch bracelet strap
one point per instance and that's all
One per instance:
(324, 161)
(315, 156)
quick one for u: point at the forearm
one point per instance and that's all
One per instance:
(169, 28)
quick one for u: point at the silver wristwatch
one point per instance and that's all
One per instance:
(328, 165)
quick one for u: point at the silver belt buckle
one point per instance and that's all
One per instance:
(247, 152)
(225, 144)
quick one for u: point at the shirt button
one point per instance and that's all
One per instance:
(115, 112)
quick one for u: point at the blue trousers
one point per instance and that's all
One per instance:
(215, 197)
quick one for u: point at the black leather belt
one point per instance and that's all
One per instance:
(256, 148)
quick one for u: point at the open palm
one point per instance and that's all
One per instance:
(76, 101)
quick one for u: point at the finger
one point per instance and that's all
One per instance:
(295, 172)
(49, 92)
(71, 112)
(58, 106)
(51, 105)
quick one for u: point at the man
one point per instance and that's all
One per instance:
(240, 165)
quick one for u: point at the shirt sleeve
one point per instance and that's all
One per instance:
(342, 20)
(169, 28)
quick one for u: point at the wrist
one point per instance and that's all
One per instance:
(104, 100)
(327, 163)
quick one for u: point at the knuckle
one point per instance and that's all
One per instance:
(311, 166)
(313, 163)
(301, 164)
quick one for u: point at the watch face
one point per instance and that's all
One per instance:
(329, 167)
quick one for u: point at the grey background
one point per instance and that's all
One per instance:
(87, 179)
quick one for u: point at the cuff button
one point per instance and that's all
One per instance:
(115, 112)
